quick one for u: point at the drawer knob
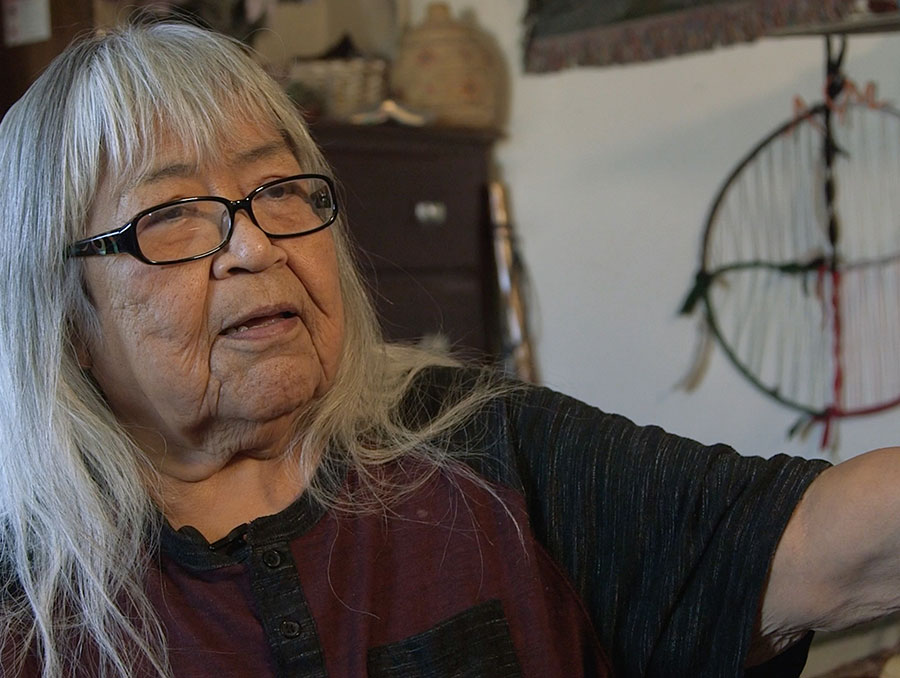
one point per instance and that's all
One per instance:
(431, 213)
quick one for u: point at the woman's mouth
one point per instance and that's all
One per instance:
(258, 322)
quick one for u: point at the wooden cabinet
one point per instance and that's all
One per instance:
(20, 65)
(417, 208)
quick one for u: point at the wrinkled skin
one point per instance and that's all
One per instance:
(213, 408)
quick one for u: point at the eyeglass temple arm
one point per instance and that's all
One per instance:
(99, 245)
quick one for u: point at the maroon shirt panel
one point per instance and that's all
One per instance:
(372, 580)
(211, 624)
(377, 579)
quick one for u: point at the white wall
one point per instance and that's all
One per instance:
(611, 172)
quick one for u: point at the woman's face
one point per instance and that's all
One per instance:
(213, 358)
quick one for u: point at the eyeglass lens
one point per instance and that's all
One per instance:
(194, 228)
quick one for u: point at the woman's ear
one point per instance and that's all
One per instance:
(80, 348)
(81, 352)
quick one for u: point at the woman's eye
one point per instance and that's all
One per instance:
(282, 191)
(321, 199)
(178, 216)
(163, 216)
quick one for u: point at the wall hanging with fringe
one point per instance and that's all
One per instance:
(565, 33)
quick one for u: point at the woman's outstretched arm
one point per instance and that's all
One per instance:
(838, 562)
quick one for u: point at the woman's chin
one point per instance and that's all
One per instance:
(271, 389)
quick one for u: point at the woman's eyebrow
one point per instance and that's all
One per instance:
(261, 152)
(176, 170)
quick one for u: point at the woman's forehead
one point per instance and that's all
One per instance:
(173, 155)
(251, 153)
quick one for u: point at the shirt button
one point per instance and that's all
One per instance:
(290, 628)
(272, 558)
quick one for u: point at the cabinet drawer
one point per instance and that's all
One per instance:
(416, 213)
(416, 204)
(449, 305)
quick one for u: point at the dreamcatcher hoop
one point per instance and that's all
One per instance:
(799, 275)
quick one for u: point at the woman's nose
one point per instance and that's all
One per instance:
(249, 250)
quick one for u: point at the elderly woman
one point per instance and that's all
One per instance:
(212, 465)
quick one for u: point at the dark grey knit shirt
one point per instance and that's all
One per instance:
(667, 541)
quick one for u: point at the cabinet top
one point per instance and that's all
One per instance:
(393, 137)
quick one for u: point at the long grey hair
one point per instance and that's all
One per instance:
(76, 516)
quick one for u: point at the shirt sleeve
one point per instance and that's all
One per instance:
(668, 541)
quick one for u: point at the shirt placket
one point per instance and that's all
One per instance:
(286, 619)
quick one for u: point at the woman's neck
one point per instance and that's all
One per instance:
(242, 490)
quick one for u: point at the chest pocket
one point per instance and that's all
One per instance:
(473, 644)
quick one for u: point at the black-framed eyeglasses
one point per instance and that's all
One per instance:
(193, 228)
